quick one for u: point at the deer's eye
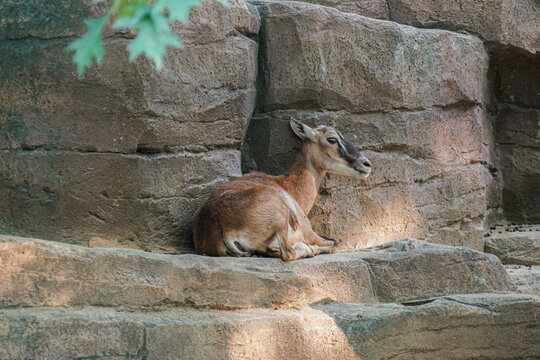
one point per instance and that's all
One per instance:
(332, 140)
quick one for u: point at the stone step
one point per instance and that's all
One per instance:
(515, 244)
(43, 273)
(480, 326)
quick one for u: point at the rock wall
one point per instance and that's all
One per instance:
(125, 155)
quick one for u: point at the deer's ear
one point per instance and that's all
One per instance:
(302, 131)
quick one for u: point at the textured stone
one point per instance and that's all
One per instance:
(447, 209)
(521, 247)
(409, 269)
(201, 99)
(46, 20)
(526, 278)
(65, 334)
(504, 22)
(41, 273)
(142, 200)
(182, 127)
(377, 9)
(428, 179)
(483, 326)
(319, 58)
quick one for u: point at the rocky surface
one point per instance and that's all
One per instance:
(370, 79)
(126, 152)
(41, 273)
(526, 278)
(427, 181)
(453, 327)
(515, 244)
(423, 130)
(124, 156)
(517, 133)
(502, 22)
(349, 62)
(377, 9)
(65, 301)
(411, 269)
(518, 246)
(34, 19)
(77, 196)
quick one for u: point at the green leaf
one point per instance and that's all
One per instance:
(152, 42)
(178, 9)
(90, 45)
(132, 15)
(160, 20)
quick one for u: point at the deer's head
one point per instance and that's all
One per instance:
(330, 151)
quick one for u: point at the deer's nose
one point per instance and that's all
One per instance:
(367, 163)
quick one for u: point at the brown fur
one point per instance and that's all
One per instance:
(266, 215)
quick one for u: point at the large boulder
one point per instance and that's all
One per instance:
(484, 326)
(41, 273)
(126, 152)
(141, 201)
(501, 22)
(322, 59)
(411, 269)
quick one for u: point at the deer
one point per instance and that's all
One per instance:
(264, 215)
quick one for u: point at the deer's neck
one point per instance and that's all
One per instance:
(303, 180)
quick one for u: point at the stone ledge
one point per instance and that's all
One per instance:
(454, 327)
(43, 273)
(515, 244)
(526, 278)
(499, 22)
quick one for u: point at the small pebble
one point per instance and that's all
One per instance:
(487, 235)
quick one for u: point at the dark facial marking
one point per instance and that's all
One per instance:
(347, 150)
